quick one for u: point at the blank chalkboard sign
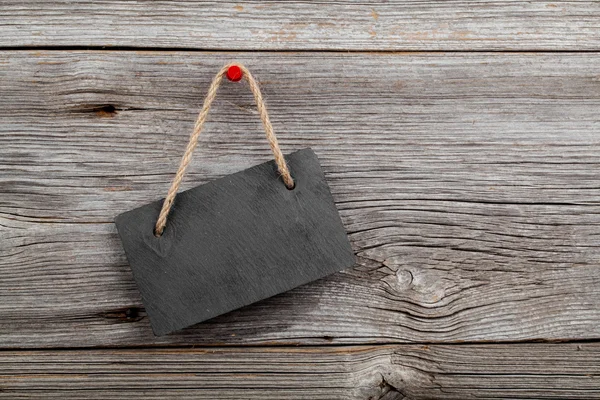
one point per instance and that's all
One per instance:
(234, 241)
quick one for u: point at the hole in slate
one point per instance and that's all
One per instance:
(293, 183)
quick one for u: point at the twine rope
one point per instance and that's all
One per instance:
(282, 167)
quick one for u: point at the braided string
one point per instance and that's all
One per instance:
(282, 167)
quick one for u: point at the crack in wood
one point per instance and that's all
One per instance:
(124, 315)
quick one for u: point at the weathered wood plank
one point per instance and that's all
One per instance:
(468, 185)
(292, 25)
(511, 371)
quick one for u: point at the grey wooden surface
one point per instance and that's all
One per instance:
(467, 181)
(560, 371)
(303, 25)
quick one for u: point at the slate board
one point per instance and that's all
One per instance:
(234, 241)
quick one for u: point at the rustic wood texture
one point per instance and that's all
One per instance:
(293, 25)
(468, 184)
(512, 371)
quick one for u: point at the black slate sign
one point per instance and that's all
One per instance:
(234, 241)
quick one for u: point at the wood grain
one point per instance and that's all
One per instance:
(468, 184)
(511, 371)
(298, 25)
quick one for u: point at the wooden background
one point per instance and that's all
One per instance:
(461, 141)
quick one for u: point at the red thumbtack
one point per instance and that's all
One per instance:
(234, 73)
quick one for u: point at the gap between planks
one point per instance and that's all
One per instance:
(291, 51)
(284, 346)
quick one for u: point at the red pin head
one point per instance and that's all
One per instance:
(234, 73)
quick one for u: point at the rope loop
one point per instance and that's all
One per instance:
(282, 167)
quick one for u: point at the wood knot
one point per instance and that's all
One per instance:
(404, 278)
(129, 314)
(106, 111)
